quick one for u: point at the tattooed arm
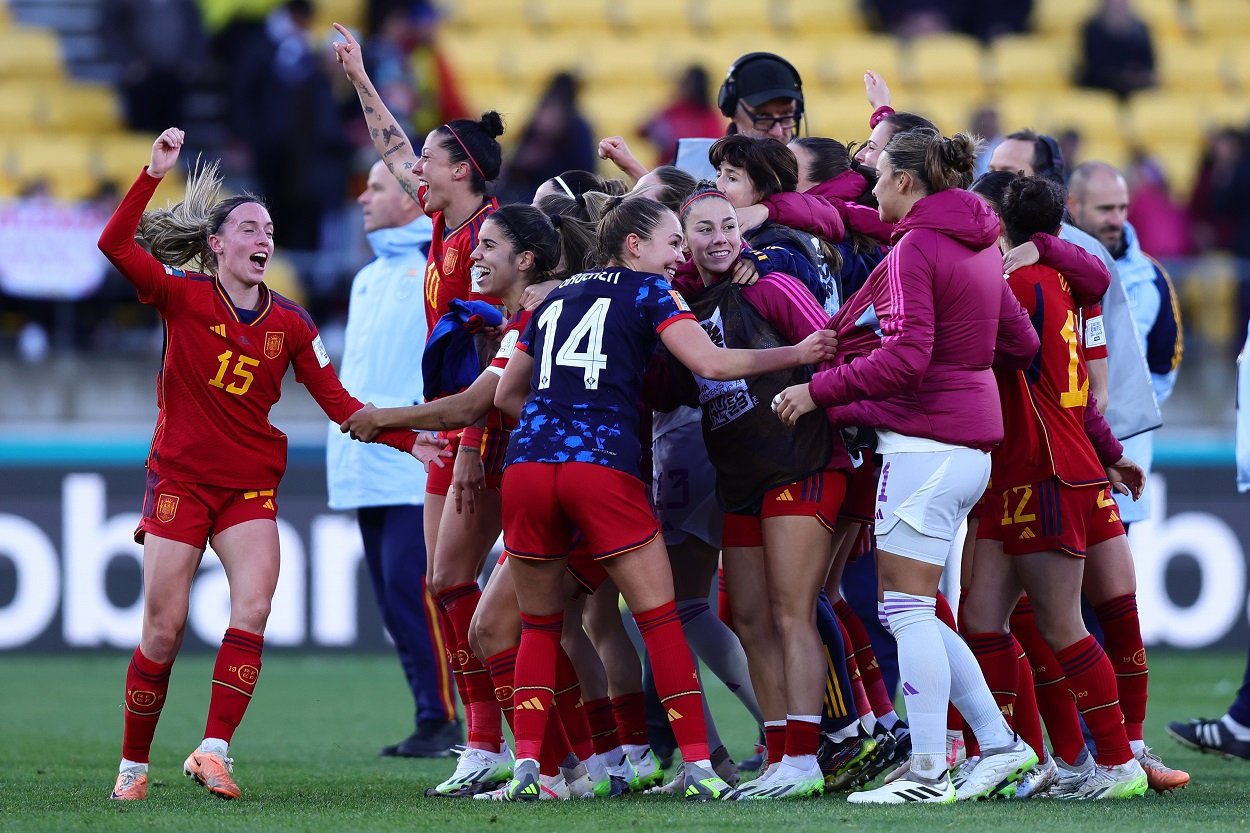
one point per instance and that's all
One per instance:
(388, 137)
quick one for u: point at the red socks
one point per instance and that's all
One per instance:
(1092, 683)
(802, 738)
(1050, 689)
(535, 681)
(503, 673)
(629, 711)
(234, 680)
(477, 693)
(147, 683)
(862, 705)
(449, 651)
(1122, 641)
(676, 682)
(602, 725)
(775, 741)
(570, 707)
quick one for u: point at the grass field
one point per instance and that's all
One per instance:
(306, 760)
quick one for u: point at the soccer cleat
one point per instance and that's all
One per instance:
(757, 760)
(1161, 777)
(578, 779)
(1038, 780)
(997, 773)
(956, 750)
(478, 770)
(704, 784)
(908, 789)
(611, 787)
(1072, 776)
(524, 786)
(432, 739)
(675, 786)
(841, 762)
(1210, 736)
(960, 773)
(785, 783)
(1126, 780)
(213, 772)
(647, 770)
(132, 785)
(883, 759)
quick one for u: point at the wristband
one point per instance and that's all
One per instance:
(471, 448)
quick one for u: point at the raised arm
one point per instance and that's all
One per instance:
(388, 137)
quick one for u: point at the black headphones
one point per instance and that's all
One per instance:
(1054, 168)
(727, 98)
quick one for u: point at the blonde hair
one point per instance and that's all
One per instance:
(178, 234)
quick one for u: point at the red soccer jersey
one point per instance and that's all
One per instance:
(447, 272)
(1044, 406)
(497, 420)
(219, 375)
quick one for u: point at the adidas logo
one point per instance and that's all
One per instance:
(268, 504)
(785, 496)
(673, 714)
(531, 704)
(530, 789)
(219, 329)
(880, 517)
(920, 793)
(1027, 534)
(1114, 517)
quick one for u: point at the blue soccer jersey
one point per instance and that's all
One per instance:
(591, 341)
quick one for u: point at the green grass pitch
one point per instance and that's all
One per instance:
(306, 760)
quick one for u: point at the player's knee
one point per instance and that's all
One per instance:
(251, 614)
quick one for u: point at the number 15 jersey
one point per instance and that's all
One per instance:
(591, 341)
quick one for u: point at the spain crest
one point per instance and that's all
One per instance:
(449, 260)
(273, 344)
(166, 508)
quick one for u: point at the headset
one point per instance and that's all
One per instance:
(1053, 169)
(727, 99)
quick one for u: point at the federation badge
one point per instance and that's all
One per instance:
(273, 344)
(166, 508)
(449, 260)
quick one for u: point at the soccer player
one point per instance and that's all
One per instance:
(573, 463)
(449, 179)
(216, 461)
(1049, 501)
(916, 344)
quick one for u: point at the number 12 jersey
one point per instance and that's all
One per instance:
(591, 341)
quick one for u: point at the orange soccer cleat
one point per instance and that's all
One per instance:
(1161, 777)
(213, 771)
(132, 785)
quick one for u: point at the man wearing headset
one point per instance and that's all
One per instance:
(762, 95)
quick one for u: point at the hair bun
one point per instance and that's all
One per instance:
(491, 124)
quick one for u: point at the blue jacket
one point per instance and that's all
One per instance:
(382, 364)
(451, 362)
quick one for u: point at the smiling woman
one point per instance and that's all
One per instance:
(216, 461)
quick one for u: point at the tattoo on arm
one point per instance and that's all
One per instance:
(369, 111)
(397, 147)
(373, 131)
(391, 131)
(410, 187)
(443, 423)
(363, 90)
(408, 166)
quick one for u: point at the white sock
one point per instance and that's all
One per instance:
(133, 766)
(703, 762)
(844, 733)
(594, 766)
(799, 765)
(869, 722)
(1137, 746)
(1235, 729)
(972, 696)
(888, 720)
(214, 746)
(635, 752)
(616, 758)
(925, 675)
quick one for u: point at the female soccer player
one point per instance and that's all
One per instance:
(573, 463)
(449, 179)
(943, 315)
(216, 461)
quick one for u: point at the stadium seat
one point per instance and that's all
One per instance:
(1162, 16)
(1096, 114)
(117, 158)
(89, 108)
(479, 56)
(31, 52)
(1179, 161)
(1023, 108)
(843, 69)
(1154, 115)
(19, 106)
(1030, 62)
(838, 115)
(1193, 67)
(1061, 17)
(1219, 18)
(733, 16)
(350, 13)
(1111, 150)
(63, 162)
(511, 16)
(945, 62)
(950, 110)
(655, 17)
(623, 62)
(1231, 111)
(823, 18)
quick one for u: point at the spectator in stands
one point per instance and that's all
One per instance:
(1209, 227)
(556, 139)
(1162, 225)
(1116, 50)
(1230, 197)
(691, 115)
(159, 49)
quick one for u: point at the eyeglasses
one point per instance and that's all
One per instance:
(766, 123)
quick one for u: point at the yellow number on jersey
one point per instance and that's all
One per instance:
(1077, 393)
(240, 372)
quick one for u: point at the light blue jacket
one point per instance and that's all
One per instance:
(385, 338)
(1141, 278)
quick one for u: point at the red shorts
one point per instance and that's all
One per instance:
(494, 454)
(545, 503)
(439, 480)
(1050, 516)
(974, 514)
(817, 496)
(860, 503)
(192, 512)
(588, 573)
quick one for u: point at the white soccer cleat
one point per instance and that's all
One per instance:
(997, 773)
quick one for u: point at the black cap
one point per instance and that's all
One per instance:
(764, 79)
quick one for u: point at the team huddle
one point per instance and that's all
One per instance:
(825, 356)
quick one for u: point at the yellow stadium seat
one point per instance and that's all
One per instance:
(1061, 17)
(1111, 150)
(531, 62)
(1155, 115)
(826, 17)
(119, 158)
(945, 62)
(479, 56)
(19, 107)
(1220, 17)
(85, 107)
(1230, 111)
(838, 115)
(728, 17)
(951, 112)
(1094, 113)
(63, 162)
(842, 69)
(512, 16)
(31, 52)
(1179, 161)
(1192, 66)
(1164, 17)
(623, 62)
(350, 13)
(656, 17)
(1031, 62)
(1023, 108)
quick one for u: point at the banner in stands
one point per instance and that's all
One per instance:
(31, 230)
(70, 572)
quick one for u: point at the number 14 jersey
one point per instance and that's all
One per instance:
(591, 341)
(1044, 406)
